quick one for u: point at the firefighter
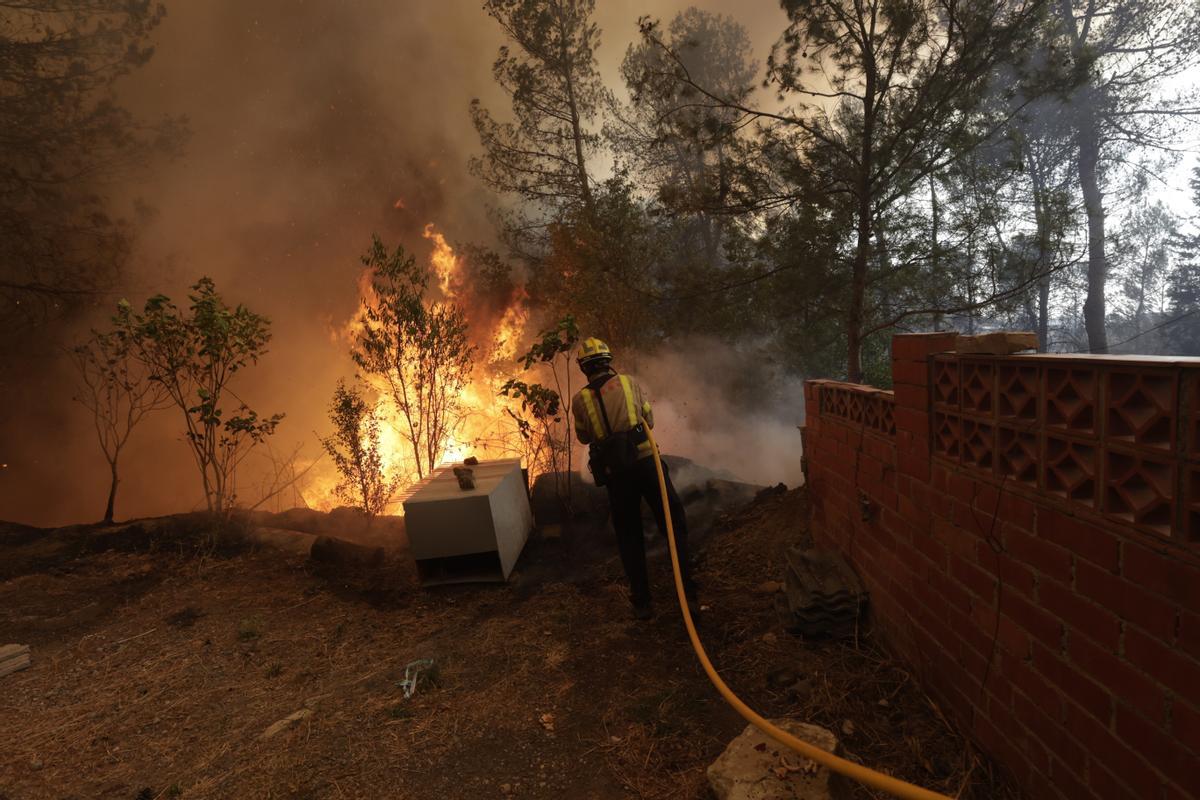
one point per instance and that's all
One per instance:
(611, 414)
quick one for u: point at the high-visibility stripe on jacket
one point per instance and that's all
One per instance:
(624, 403)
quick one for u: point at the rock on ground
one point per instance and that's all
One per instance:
(756, 767)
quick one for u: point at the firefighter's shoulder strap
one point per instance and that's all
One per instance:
(594, 387)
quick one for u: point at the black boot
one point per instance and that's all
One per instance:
(643, 611)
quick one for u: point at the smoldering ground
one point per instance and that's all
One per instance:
(313, 125)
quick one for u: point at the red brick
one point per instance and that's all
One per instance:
(913, 441)
(1033, 718)
(922, 494)
(1164, 573)
(950, 591)
(977, 581)
(918, 566)
(910, 419)
(1085, 540)
(1044, 627)
(1035, 687)
(1017, 511)
(1110, 753)
(939, 479)
(888, 498)
(1048, 559)
(1076, 685)
(1189, 633)
(1176, 670)
(1173, 792)
(1131, 685)
(843, 467)
(976, 519)
(957, 541)
(1126, 600)
(1185, 725)
(984, 617)
(920, 592)
(1000, 745)
(915, 466)
(1162, 750)
(1035, 750)
(868, 466)
(973, 657)
(914, 512)
(986, 500)
(1080, 614)
(881, 449)
(1067, 783)
(960, 513)
(1133, 780)
(915, 373)
(916, 346)
(962, 487)
(1013, 574)
(934, 550)
(1014, 639)
(912, 395)
(985, 732)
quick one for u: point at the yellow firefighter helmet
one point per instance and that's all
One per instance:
(593, 352)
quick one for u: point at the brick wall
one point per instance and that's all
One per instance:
(1029, 530)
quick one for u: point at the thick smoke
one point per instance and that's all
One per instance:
(724, 407)
(314, 125)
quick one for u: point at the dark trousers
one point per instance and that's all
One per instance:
(625, 495)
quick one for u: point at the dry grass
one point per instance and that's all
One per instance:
(155, 675)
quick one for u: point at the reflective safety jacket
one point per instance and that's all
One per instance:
(624, 403)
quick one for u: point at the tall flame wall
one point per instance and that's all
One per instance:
(1029, 531)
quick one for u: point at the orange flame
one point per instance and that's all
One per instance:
(445, 263)
(483, 428)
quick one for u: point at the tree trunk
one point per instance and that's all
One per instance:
(1043, 322)
(1093, 201)
(935, 226)
(585, 189)
(577, 133)
(1088, 140)
(935, 256)
(858, 290)
(971, 282)
(112, 494)
(1042, 219)
(862, 254)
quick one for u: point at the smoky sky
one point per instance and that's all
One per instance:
(315, 123)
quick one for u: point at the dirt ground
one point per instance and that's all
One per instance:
(156, 673)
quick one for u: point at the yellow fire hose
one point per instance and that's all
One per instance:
(864, 775)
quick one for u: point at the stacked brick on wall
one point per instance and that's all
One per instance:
(1029, 530)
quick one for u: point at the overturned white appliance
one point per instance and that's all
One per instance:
(461, 535)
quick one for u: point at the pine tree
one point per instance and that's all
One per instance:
(549, 71)
(1182, 331)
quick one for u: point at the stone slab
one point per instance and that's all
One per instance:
(756, 767)
(1001, 343)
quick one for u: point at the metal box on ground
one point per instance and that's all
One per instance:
(469, 535)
